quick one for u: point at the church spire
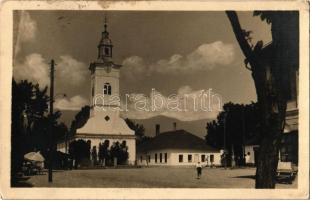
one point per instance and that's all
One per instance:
(105, 23)
(105, 45)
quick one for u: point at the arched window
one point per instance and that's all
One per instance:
(107, 89)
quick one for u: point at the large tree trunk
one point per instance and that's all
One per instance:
(272, 100)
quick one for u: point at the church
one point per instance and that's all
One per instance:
(105, 123)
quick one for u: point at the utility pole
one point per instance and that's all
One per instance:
(51, 145)
(225, 156)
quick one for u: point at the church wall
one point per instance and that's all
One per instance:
(130, 142)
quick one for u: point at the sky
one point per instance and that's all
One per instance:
(171, 52)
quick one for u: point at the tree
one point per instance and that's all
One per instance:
(241, 124)
(272, 70)
(80, 151)
(80, 119)
(29, 121)
(119, 151)
(104, 152)
(138, 128)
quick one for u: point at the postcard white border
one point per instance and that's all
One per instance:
(6, 38)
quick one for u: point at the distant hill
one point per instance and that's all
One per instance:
(197, 127)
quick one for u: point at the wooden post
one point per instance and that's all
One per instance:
(51, 146)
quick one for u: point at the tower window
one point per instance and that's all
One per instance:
(107, 51)
(107, 89)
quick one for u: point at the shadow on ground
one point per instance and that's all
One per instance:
(21, 182)
(247, 176)
(280, 179)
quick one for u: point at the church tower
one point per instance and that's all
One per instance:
(104, 76)
(105, 122)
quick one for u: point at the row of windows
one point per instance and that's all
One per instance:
(163, 158)
(190, 158)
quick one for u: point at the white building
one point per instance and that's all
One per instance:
(176, 148)
(105, 122)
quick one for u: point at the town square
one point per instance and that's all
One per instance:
(145, 99)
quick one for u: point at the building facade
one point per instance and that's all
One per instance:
(177, 148)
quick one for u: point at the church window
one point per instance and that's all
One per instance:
(160, 157)
(155, 157)
(107, 51)
(107, 118)
(107, 89)
(166, 157)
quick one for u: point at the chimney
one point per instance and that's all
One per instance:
(174, 126)
(157, 129)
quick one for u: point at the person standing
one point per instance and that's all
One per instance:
(198, 169)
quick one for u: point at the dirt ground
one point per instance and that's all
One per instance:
(153, 177)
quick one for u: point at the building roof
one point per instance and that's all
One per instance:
(178, 139)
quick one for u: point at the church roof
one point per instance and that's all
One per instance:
(105, 122)
(178, 139)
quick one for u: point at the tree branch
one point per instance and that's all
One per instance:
(243, 43)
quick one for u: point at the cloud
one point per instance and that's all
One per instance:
(134, 65)
(34, 68)
(27, 29)
(211, 55)
(186, 105)
(71, 70)
(205, 57)
(73, 103)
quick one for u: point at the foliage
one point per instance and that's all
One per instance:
(104, 153)
(138, 128)
(120, 152)
(30, 122)
(80, 119)
(79, 150)
(241, 123)
(238, 124)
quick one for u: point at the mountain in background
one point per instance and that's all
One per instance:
(197, 127)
